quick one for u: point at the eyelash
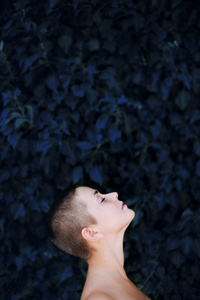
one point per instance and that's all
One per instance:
(103, 199)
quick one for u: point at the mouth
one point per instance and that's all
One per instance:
(123, 205)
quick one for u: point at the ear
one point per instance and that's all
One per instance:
(91, 235)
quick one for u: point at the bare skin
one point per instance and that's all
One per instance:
(106, 277)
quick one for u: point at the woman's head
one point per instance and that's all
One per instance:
(84, 216)
(65, 220)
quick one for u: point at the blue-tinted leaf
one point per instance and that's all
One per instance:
(177, 258)
(13, 139)
(78, 90)
(4, 175)
(187, 78)
(19, 122)
(40, 273)
(196, 246)
(182, 100)
(77, 173)
(175, 119)
(30, 60)
(93, 45)
(66, 130)
(65, 42)
(198, 168)
(178, 185)
(1, 46)
(122, 100)
(155, 131)
(187, 244)
(49, 6)
(19, 262)
(195, 116)
(114, 133)
(162, 156)
(2, 225)
(138, 216)
(44, 146)
(59, 97)
(197, 147)
(66, 273)
(85, 145)
(187, 212)
(95, 174)
(44, 206)
(66, 149)
(165, 91)
(30, 111)
(12, 116)
(6, 98)
(164, 181)
(18, 210)
(35, 206)
(52, 83)
(92, 70)
(101, 122)
(137, 76)
(183, 173)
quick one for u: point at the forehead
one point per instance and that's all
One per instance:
(83, 192)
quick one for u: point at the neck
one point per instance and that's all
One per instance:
(108, 259)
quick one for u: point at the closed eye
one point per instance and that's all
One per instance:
(103, 199)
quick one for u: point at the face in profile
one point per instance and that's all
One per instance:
(111, 214)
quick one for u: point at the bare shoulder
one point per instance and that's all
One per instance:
(99, 296)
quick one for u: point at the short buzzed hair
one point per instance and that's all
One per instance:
(65, 221)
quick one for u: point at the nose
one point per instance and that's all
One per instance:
(113, 196)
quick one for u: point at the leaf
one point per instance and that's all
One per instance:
(49, 6)
(30, 60)
(182, 100)
(1, 46)
(30, 111)
(93, 45)
(187, 244)
(165, 91)
(66, 273)
(65, 42)
(19, 262)
(198, 168)
(174, 244)
(95, 174)
(137, 77)
(101, 122)
(17, 210)
(77, 173)
(85, 145)
(162, 156)
(197, 147)
(20, 122)
(44, 206)
(196, 246)
(155, 130)
(12, 116)
(78, 90)
(122, 100)
(52, 83)
(114, 133)
(177, 258)
(13, 139)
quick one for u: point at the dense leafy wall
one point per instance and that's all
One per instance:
(102, 92)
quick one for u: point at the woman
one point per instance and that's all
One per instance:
(91, 225)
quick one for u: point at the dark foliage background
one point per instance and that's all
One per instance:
(103, 92)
